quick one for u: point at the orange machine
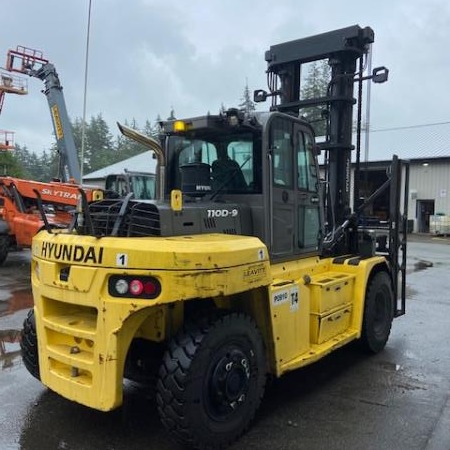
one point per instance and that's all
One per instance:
(28, 206)
(21, 216)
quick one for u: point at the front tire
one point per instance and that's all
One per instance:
(212, 380)
(4, 248)
(29, 345)
(378, 313)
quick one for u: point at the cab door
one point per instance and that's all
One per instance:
(281, 186)
(294, 204)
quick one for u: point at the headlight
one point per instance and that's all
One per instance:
(121, 286)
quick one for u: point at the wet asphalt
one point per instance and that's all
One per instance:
(398, 399)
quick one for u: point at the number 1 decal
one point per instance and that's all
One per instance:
(122, 260)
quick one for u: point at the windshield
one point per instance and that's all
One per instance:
(234, 160)
(143, 186)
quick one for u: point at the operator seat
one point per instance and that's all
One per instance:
(227, 173)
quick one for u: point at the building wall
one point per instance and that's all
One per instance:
(429, 190)
(429, 181)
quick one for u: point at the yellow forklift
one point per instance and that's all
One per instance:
(250, 262)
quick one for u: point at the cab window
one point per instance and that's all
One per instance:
(307, 172)
(234, 160)
(281, 146)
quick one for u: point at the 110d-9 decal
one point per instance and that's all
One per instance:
(222, 213)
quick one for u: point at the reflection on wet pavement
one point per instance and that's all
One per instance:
(422, 265)
(9, 348)
(10, 338)
(15, 298)
(390, 366)
(21, 299)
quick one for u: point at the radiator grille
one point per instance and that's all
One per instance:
(119, 217)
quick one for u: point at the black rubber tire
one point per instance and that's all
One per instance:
(378, 313)
(212, 380)
(29, 345)
(4, 248)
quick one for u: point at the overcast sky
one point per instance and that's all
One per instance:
(148, 56)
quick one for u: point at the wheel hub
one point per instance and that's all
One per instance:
(230, 382)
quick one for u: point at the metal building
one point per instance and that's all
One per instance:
(427, 147)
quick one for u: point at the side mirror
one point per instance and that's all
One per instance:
(260, 96)
(380, 74)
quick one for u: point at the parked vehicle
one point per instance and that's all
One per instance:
(244, 265)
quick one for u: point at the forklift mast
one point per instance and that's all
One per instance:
(342, 48)
(31, 62)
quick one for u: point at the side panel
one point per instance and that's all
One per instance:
(289, 309)
(330, 308)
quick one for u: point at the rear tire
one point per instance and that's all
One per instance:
(378, 313)
(29, 345)
(211, 381)
(4, 248)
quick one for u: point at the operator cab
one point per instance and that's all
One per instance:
(265, 161)
(230, 155)
(141, 184)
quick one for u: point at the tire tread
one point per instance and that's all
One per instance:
(171, 396)
(29, 345)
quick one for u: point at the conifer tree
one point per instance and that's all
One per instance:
(247, 105)
(315, 85)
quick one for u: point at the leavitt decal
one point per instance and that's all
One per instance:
(255, 272)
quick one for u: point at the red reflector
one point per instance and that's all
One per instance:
(149, 288)
(136, 287)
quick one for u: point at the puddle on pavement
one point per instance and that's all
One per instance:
(422, 265)
(9, 349)
(20, 299)
(391, 367)
(410, 292)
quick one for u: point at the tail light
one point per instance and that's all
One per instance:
(127, 286)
